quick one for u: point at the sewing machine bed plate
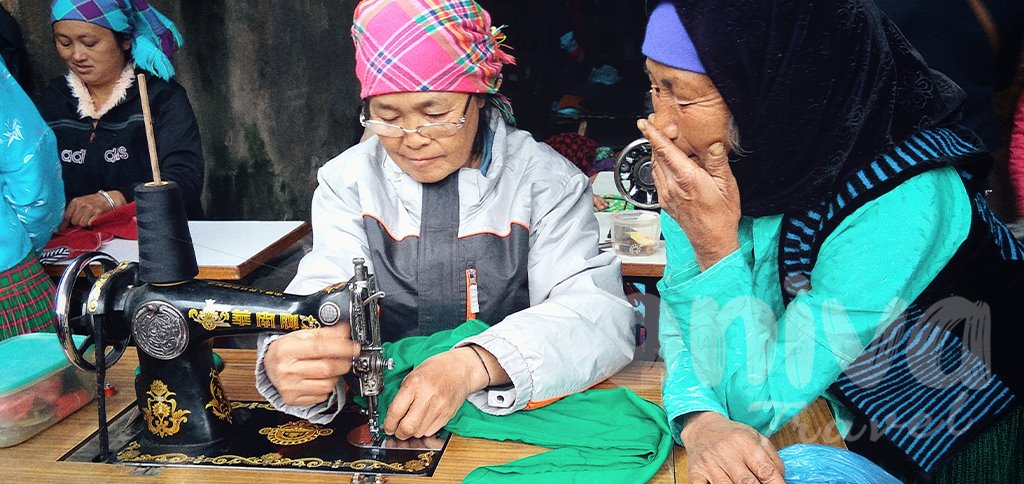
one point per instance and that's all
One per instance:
(264, 438)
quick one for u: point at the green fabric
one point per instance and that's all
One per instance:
(596, 436)
(759, 362)
(616, 204)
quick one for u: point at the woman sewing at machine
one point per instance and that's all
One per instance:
(96, 114)
(460, 216)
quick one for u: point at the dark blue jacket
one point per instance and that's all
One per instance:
(114, 155)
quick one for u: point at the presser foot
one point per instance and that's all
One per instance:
(362, 437)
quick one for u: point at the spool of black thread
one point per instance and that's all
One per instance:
(166, 254)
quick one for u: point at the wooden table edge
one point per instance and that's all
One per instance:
(631, 269)
(268, 252)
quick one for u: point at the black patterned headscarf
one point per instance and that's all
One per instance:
(818, 89)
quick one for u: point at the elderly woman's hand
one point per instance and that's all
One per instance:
(720, 450)
(701, 195)
(433, 391)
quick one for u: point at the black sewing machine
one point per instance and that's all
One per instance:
(172, 319)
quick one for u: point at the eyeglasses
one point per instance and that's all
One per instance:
(429, 130)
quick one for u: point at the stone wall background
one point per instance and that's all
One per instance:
(272, 85)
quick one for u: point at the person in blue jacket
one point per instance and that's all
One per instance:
(827, 236)
(31, 205)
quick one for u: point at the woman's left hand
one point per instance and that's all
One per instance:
(432, 393)
(700, 194)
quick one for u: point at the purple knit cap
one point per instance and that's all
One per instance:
(667, 42)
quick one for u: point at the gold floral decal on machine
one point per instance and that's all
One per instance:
(93, 300)
(295, 433)
(253, 405)
(132, 453)
(210, 318)
(219, 406)
(309, 322)
(162, 414)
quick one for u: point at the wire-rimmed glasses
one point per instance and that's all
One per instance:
(429, 130)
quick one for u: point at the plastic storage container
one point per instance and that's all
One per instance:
(38, 386)
(635, 232)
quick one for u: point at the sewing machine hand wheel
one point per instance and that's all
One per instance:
(73, 293)
(634, 175)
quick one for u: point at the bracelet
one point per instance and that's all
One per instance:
(110, 199)
(482, 362)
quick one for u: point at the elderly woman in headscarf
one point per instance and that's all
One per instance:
(459, 216)
(826, 236)
(96, 113)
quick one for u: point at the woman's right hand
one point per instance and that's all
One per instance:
(81, 211)
(305, 365)
(720, 450)
(700, 194)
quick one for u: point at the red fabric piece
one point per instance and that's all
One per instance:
(119, 223)
(578, 149)
(67, 404)
(571, 101)
(77, 240)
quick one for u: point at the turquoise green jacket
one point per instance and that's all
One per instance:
(31, 190)
(729, 344)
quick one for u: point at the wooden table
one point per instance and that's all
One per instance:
(36, 458)
(225, 250)
(645, 266)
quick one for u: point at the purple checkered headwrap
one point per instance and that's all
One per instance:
(155, 39)
(428, 45)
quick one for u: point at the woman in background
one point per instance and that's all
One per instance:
(96, 112)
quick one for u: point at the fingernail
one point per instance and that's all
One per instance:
(641, 124)
(717, 149)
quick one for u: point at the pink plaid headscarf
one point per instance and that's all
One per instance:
(428, 45)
